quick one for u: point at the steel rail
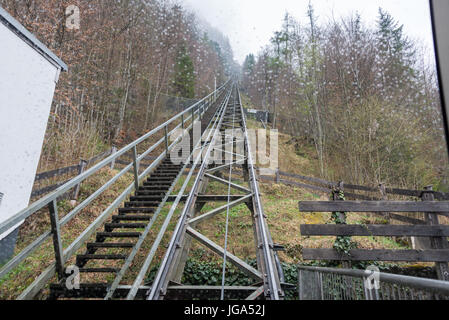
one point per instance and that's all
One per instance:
(274, 289)
(225, 255)
(161, 276)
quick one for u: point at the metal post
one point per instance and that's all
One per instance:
(82, 167)
(166, 140)
(136, 168)
(182, 122)
(278, 176)
(114, 151)
(321, 286)
(56, 232)
(366, 290)
(215, 91)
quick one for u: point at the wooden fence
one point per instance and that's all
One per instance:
(429, 227)
(44, 182)
(371, 193)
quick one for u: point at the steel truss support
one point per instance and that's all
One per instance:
(266, 276)
(243, 266)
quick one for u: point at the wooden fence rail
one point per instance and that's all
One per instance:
(439, 207)
(375, 230)
(63, 172)
(437, 252)
(327, 186)
(429, 255)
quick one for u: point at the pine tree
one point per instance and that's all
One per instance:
(248, 65)
(395, 54)
(184, 80)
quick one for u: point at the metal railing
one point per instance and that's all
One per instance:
(180, 121)
(348, 284)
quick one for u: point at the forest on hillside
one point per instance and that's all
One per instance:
(126, 62)
(366, 97)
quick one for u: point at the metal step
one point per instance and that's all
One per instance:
(157, 183)
(162, 174)
(132, 218)
(140, 204)
(166, 171)
(99, 270)
(98, 245)
(112, 226)
(160, 179)
(168, 179)
(124, 211)
(145, 198)
(160, 193)
(157, 197)
(162, 189)
(86, 257)
(104, 235)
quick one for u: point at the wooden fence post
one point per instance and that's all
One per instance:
(442, 268)
(82, 167)
(114, 151)
(384, 197)
(338, 195)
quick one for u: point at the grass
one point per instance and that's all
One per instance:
(23, 275)
(280, 205)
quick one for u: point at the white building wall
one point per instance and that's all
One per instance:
(27, 84)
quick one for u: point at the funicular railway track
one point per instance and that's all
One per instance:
(120, 235)
(107, 250)
(230, 133)
(145, 205)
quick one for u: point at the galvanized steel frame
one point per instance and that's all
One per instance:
(268, 272)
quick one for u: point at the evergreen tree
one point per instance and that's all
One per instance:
(248, 65)
(184, 80)
(395, 54)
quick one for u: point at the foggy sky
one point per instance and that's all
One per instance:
(250, 24)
